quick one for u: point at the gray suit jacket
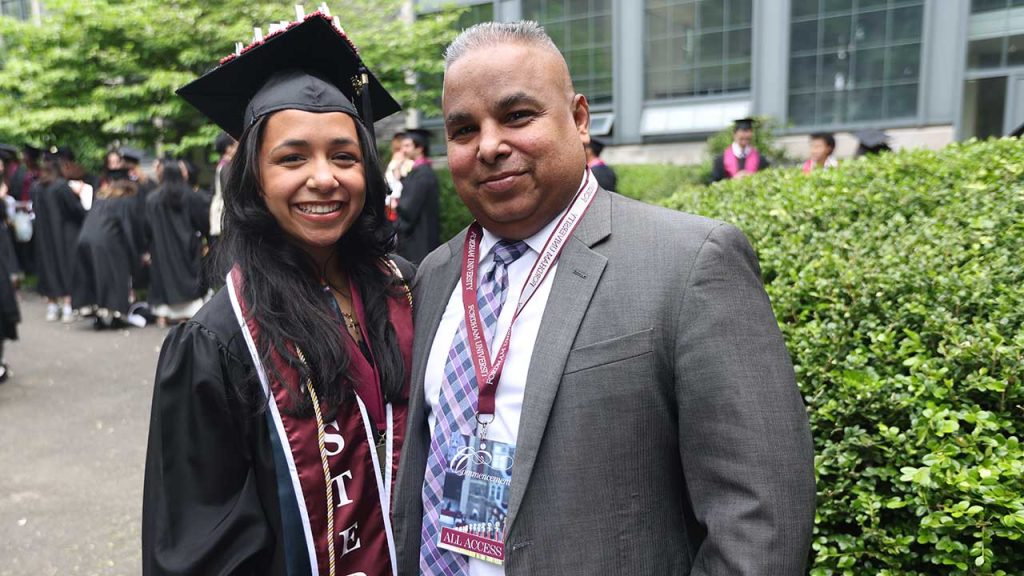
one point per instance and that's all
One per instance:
(662, 431)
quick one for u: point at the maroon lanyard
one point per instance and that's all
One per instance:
(488, 373)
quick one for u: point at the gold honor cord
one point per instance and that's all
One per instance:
(323, 458)
(405, 283)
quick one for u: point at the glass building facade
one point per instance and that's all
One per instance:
(676, 70)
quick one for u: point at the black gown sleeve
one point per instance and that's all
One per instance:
(202, 513)
(410, 204)
(718, 169)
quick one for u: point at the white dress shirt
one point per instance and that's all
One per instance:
(740, 152)
(509, 399)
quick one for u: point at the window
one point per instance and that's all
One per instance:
(990, 5)
(582, 30)
(697, 47)
(854, 61)
(17, 8)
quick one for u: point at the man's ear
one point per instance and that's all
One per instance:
(581, 116)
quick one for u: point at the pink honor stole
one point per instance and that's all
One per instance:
(732, 164)
(363, 541)
(808, 166)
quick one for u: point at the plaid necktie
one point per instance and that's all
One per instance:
(456, 414)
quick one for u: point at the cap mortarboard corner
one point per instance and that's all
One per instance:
(316, 46)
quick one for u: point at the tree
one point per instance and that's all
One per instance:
(103, 70)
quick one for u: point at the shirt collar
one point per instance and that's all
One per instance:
(737, 151)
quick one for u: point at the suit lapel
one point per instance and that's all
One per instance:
(577, 276)
(431, 299)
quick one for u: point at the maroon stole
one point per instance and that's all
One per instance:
(363, 541)
(732, 164)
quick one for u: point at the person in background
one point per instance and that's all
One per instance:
(20, 187)
(107, 253)
(398, 167)
(420, 205)
(7, 249)
(81, 182)
(59, 214)
(176, 222)
(10, 314)
(131, 160)
(823, 144)
(872, 141)
(225, 146)
(602, 172)
(740, 159)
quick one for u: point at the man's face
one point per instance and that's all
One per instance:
(515, 136)
(743, 138)
(409, 149)
(819, 150)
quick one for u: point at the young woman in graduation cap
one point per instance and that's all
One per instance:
(278, 410)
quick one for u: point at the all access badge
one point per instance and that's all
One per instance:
(474, 500)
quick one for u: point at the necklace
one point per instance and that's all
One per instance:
(351, 323)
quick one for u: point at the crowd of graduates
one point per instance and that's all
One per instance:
(121, 247)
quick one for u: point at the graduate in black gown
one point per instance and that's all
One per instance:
(59, 214)
(107, 253)
(604, 173)
(10, 273)
(419, 207)
(740, 159)
(177, 219)
(279, 409)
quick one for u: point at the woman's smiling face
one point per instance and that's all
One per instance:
(312, 178)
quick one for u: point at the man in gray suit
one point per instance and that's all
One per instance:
(636, 371)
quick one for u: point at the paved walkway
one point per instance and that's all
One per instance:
(73, 426)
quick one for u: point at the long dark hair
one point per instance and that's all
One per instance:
(282, 283)
(172, 182)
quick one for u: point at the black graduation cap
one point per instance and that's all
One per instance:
(131, 154)
(418, 135)
(309, 65)
(63, 152)
(8, 152)
(596, 145)
(872, 138)
(1018, 133)
(743, 124)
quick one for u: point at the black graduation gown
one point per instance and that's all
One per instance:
(106, 255)
(140, 273)
(204, 407)
(718, 167)
(174, 239)
(207, 414)
(419, 214)
(605, 176)
(10, 314)
(59, 215)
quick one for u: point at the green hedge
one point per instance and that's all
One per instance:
(899, 285)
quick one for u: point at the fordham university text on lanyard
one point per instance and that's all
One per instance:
(488, 373)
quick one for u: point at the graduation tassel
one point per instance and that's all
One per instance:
(364, 89)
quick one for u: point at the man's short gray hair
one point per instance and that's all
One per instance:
(489, 34)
